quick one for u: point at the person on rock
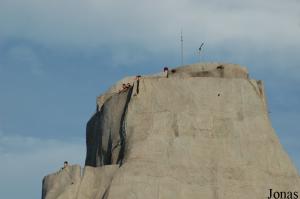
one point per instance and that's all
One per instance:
(124, 88)
(66, 164)
(138, 77)
(166, 72)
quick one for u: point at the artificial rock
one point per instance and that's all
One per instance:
(203, 132)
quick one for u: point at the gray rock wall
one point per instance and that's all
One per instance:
(187, 136)
(62, 184)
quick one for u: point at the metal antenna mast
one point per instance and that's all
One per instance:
(199, 50)
(181, 39)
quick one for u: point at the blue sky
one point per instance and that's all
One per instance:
(57, 56)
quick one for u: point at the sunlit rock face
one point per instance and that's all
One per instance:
(200, 131)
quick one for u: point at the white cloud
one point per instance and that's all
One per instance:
(26, 160)
(242, 29)
(154, 24)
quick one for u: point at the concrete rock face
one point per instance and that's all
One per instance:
(203, 132)
(62, 184)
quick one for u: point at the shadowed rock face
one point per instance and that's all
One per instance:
(204, 132)
(105, 132)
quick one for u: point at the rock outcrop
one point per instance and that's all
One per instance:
(105, 133)
(203, 132)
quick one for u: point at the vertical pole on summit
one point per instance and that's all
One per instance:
(181, 40)
(199, 50)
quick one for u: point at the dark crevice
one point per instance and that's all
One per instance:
(105, 195)
(137, 86)
(118, 144)
(108, 157)
(123, 129)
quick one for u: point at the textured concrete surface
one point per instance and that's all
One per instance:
(62, 184)
(204, 132)
(96, 181)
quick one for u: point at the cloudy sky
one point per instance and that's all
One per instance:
(56, 56)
